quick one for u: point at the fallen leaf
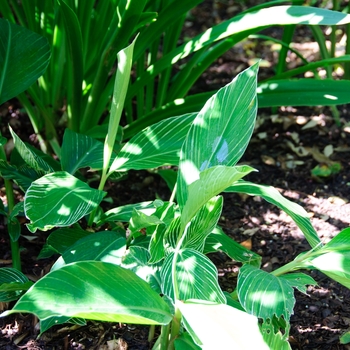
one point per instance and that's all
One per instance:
(328, 150)
(247, 243)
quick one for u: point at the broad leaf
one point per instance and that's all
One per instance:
(295, 211)
(23, 176)
(274, 337)
(155, 146)
(12, 284)
(30, 157)
(59, 199)
(211, 182)
(264, 295)
(195, 275)
(156, 245)
(219, 241)
(65, 237)
(185, 342)
(333, 259)
(124, 212)
(299, 281)
(94, 290)
(136, 260)
(80, 151)
(229, 325)
(224, 125)
(24, 56)
(104, 246)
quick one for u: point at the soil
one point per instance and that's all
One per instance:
(286, 146)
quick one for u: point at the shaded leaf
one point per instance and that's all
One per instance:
(219, 241)
(24, 56)
(12, 284)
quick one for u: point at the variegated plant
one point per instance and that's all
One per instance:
(153, 269)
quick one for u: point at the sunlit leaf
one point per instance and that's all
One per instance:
(211, 182)
(94, 290)
(264, 295)
(155, 146)
(271, 194)
(196, 277)
(229, 325)
(104, 246)
(136, 260)
(224, 125)
(59, 199)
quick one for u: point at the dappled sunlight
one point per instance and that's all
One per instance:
(189, 171)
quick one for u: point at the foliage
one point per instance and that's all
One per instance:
(159, 252)
(150, 266)
(85, 37)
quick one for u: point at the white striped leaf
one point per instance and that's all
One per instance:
(136, 259)
(12, 284)
(80, 151)
(24, 56)
(94, 290)
(219, 241)
(59, 199)
(30, 157)
(264, 295)
(155, 146)
(295, 211)
(221, 131)
(195, 275)
(104, 246)
(212, 181)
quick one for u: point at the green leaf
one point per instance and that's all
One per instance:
(80, 151)
(73, 36)
(30, 157)
(136, 260)
(12, 284)
(274, 338)
(59, 199)
(124, 212)
(225, 125)
(211, 182)
(299, 281)
(156, 145)
(295, 211)
(303, 92)
(14, 229)
(185, 342)
(264, 295)
(219, 241)
(24, 56)
(65, 237)
(97, 291)
(121, 84)
(333, 258)
(57, 320)
(140, 220)
(345, 338)
(229, 325)
(23, 176)
(196, 277)
(104, 246)
(203, 224)
(156, 245)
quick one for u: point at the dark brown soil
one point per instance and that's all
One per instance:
(286, 146)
